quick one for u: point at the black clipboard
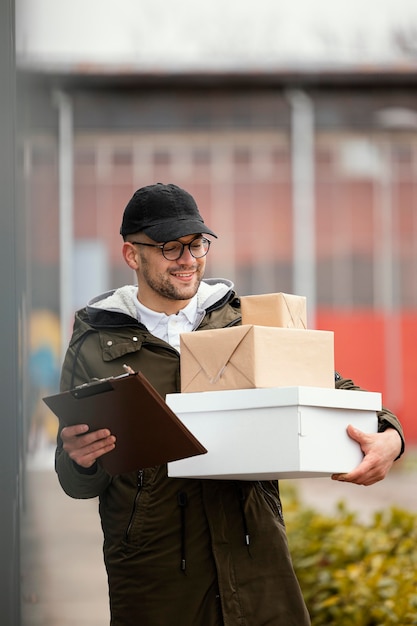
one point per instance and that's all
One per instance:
(147, 431)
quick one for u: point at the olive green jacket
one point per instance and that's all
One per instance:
(179, 552)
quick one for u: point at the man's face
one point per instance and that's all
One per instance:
(167, 285)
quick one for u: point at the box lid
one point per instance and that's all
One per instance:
(273, 396)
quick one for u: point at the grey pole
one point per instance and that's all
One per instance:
(10, 415)
(303, 199)
(66, 202)
(387, 294)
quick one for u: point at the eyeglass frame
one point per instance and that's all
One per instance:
(161, 246)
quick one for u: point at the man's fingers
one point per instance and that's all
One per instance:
(85, 447)
(75, 432)
(87, 455)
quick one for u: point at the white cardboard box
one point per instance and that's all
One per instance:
(280, 432)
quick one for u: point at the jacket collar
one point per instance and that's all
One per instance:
(117, 307)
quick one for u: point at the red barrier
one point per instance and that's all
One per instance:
(378, 352)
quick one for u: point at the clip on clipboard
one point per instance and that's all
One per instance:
(147, 431)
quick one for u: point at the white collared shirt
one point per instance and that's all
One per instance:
(169, 327)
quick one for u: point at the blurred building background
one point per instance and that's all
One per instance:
(295, 127)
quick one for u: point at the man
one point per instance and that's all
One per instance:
(179, 551)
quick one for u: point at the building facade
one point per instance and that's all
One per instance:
(327, 162)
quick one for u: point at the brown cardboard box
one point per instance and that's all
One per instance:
(274, 309)
(246, 357)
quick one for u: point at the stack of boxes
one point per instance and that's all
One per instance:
(261, 398)
(272, 348)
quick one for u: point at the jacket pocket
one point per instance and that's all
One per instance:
(135, 507)
(272, 500)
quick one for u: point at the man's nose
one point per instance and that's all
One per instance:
(186, 256)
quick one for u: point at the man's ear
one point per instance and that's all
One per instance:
(130, 255)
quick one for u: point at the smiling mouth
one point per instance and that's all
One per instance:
(183, 274)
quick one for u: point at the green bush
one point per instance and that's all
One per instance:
(351, 573)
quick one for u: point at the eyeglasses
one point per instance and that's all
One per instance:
(173, 250)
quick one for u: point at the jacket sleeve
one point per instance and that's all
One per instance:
(76, 481)
(386, 419)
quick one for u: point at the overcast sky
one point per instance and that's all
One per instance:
(171, 34)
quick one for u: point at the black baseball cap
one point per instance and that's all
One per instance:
(164, 213)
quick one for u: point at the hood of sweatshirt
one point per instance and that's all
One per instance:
(212, 292)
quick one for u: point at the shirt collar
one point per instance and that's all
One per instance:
(151, 319)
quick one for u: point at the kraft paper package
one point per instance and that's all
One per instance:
(250, 356)
(272, 348)
(274, 309)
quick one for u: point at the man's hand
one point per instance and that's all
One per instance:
(380, 450)
(85, 447)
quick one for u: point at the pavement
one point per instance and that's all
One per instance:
(63, 577)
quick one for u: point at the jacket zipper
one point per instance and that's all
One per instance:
(135, 503)
(273, 500)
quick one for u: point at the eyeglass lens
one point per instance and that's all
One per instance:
(173, 250)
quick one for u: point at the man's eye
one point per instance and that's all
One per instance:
(170, 247)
